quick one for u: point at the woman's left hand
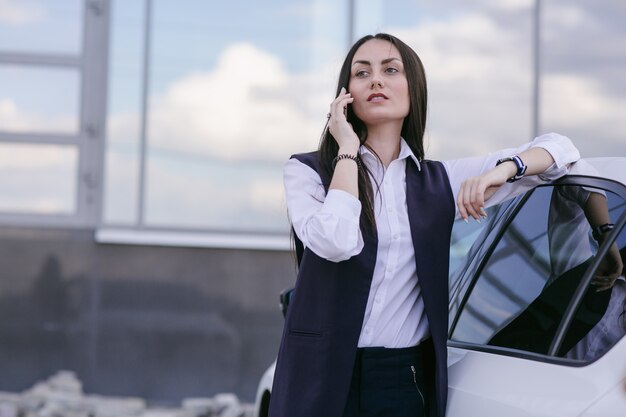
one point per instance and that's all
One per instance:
(475, 191)
(610, 268)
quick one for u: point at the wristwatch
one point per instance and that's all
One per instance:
(521, 168)
(598, 231)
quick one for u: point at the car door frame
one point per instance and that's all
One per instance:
(577, 180)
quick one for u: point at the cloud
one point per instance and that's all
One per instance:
(121, 188)
(26, 156)
(12, 12)
(250, 108)
(562, 16)
(38, 178)
(579, 107)
(215, 199)
(479, 84)
(16, 119)
(587, 40)
(512, 5)
(480, 89)
(247, 107)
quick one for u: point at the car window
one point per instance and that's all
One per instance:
(529, 279)
(468, 245)
(600, 318)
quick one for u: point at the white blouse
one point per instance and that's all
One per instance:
(328, 224)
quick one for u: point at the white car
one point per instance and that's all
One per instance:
(529, 333)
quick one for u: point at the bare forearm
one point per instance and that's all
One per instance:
(597, 209)
(346, 174)
(345, 177)
(475, 190)
(611, 265)
(537, 160)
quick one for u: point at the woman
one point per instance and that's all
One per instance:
(366, 330)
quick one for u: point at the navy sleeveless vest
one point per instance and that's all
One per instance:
(325, 316)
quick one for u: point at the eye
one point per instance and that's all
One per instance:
(391, 70)
(361, 73)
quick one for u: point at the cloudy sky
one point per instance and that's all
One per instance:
(235, 90)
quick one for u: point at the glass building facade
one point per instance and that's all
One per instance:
(205, 101)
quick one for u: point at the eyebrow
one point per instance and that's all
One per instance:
(384, 61)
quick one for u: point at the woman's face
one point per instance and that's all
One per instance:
(378, 83)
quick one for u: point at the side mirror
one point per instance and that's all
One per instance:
(285, 298)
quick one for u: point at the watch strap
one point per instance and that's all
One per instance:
(521, 167)
(598, 231)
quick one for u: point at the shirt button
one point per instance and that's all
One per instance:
(396, 237)
(377, 300)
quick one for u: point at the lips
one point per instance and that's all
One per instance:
(377, 97)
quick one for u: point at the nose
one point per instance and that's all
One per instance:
(376, 83)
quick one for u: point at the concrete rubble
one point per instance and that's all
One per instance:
(62, 395)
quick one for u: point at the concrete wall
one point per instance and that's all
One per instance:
(162, 323)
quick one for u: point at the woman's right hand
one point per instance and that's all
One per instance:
(338, 125)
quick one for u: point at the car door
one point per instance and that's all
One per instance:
(529, 334)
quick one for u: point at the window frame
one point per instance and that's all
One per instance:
(91, 63)
(577, 180)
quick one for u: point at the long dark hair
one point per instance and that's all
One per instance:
(412, 127)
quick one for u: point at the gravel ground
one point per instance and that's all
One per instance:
(62, 395)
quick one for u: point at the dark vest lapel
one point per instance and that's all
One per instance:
(430, 205)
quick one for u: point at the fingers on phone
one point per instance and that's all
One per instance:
(340, 103)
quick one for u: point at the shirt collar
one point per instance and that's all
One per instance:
(405, 152)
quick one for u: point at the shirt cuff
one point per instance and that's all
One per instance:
(559, 147)
(342, 204)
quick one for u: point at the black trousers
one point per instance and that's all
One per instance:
(390, 383)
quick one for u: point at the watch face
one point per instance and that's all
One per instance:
(521, 168)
